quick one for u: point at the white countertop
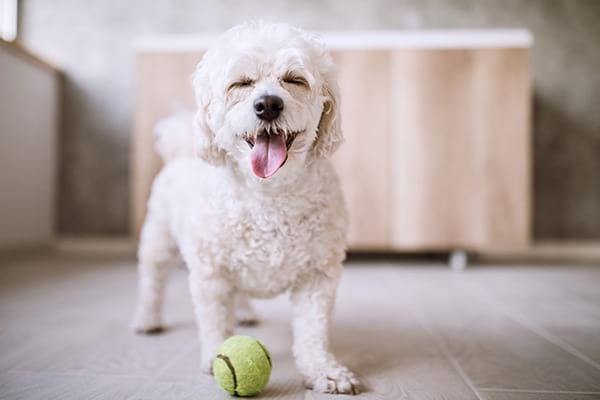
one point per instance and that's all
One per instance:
(365, 40)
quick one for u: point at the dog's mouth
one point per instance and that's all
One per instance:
(268, 150)
(289, 138)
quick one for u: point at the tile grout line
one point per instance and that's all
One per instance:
(75, 374)
(178, 357)
(503, 390)
(184, 352)
(447, 354)
(455, 364)
(530, 325)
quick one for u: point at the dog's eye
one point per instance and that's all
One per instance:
(295, 80)
(242, 83)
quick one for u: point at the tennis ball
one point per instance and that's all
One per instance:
(242, 366)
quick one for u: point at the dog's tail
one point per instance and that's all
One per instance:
(175, 136)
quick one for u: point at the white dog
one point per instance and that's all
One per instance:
(261, 213)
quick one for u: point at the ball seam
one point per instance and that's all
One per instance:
(266, 353)
(232, 370)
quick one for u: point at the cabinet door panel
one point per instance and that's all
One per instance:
(362, 161)
(505, 96)
(459, 139)
(163, 85)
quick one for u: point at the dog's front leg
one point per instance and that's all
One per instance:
(213, 305)
(313, 300)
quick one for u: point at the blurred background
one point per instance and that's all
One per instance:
(472, 128)
(91, 44)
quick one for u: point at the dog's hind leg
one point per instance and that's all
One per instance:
(245, 314)
(156, 256)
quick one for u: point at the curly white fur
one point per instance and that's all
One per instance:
(241, 235)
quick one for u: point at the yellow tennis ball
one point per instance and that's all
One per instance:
(242, 366)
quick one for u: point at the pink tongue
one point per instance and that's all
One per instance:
(268, 155)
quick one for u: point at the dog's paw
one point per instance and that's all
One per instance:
(207, 356)
(206, 364)
(244, 312)
(146, 324)
(337, 380)
(247, 317)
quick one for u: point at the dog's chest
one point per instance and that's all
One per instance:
(269, 245)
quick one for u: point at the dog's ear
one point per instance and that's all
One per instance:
(329, 131)
(206, 147)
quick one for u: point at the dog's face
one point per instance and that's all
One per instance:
(267, 100)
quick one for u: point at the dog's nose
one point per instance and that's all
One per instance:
(268, 107)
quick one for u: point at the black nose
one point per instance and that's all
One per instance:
(268, 107)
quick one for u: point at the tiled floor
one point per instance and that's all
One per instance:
(410, 331)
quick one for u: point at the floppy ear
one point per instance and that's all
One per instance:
(329, 131)
(206, 148)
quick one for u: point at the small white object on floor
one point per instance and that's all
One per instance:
(458, 260)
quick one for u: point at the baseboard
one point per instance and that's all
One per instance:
(96, 245)
(115, 246)
(548, 251)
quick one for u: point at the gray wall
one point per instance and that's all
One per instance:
(90, 40)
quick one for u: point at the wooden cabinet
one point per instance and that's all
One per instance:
(164, 85)
(363, 161)
(437, 125)
(438, 148)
